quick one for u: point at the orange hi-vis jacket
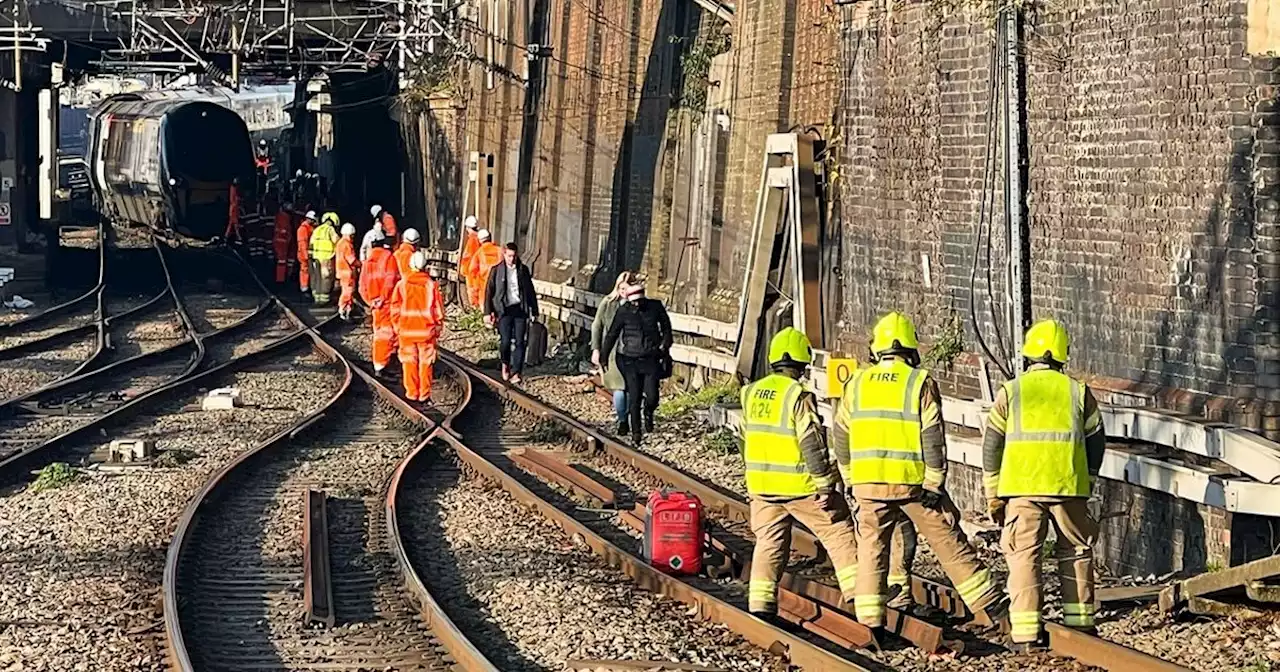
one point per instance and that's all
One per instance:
(470, 243)
(388, 224)
(346, 260)
(304, 239)
(403, 252)
(488, 256)
(417, 308)
(378, 281)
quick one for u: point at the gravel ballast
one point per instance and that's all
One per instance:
(84, 562)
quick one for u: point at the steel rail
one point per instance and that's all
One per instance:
(1081, 646)
(26, 323)
(467, 657)
(176, 642)
(23, 349)
(799, 651)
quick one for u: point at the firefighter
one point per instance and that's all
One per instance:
(346, 264)
(324, 241)
(378, 280)
(281, 240)
(470, 243)
(487, 256)
(890, 445)
(1040, 457)
(789, 476)
(303, 251)
(408, 245)
(417, 309)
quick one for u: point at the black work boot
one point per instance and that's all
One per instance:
(635, 436)
(624, 427)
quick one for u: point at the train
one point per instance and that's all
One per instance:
(165, 160)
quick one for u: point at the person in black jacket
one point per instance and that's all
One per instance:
(641, 330)
(511, 303)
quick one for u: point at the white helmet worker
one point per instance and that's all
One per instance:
(469, 222)
(373, 211)
(311, 215)
(348, 229)
(418, 261)
(483, 234)
(411, 235)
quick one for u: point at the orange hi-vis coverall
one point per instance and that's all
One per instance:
(403, 252)
(487, 256)
(304, 253)
(417, 308)
(470, 243)
(377, 284)
(346, 264)
(281, 241)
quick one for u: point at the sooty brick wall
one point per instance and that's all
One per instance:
(1153, 158)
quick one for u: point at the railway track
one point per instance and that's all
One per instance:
(627, 469)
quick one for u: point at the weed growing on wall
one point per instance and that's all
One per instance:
(695, 66)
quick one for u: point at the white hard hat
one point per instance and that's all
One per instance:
(348, 229)
(411, 235)
(299, 173)
(418, 261)
(375, 210)
(469, 222)
(483, 234)
(311, 214)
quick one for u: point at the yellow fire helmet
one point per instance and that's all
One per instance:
(1047, 340)
(330, 218)
(894, 331)
(790, 346)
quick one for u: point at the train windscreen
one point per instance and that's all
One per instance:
(206, 146)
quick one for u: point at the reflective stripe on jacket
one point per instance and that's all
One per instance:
(324, 241)
(347, 261)
(1044, 439)
(379, 278)
(417, 308)
(775, 464)
(882, 413)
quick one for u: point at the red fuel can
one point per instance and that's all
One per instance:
(673, 532)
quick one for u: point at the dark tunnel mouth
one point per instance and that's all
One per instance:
(206, 146)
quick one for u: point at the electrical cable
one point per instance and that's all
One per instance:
(987, 169)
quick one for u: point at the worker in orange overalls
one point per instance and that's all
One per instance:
(282, 239)
(470, 243)
(417, 309)
(487, 256)
(305, 229)
(388, 224)
(346, 264)
(233, 213)
(408, 245)
(377, 283)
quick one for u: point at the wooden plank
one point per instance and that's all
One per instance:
(317, 588)
(1241, 576)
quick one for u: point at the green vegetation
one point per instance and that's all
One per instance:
(1213, 567)
(948, 346)
(695, 66)
(434, 74)
(53, 476)
(174, 457)
(684, 402)
(721, 442)
(472, 322)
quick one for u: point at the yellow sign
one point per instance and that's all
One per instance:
(839, 372)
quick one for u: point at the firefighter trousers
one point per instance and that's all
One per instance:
(902, 553)
(384, 337)
(417, 358)
(876, 521)
(827, 516)
(1026, 526)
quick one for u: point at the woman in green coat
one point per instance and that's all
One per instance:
(599, 327)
